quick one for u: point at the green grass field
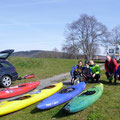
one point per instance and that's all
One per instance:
(106, 108)
(41, 67)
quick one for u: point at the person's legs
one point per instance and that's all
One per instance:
(79, 78)
(72, 81)
(97, 76)
(119, 77)
(76, 78)
(88, 78)
(115, 78)
(92, 79)
(109, 77)
(84, 78)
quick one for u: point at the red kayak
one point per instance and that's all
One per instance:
(18, 90)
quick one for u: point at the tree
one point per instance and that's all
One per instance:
(84, 35)
(112, 38)
(55, 50)
(115, 35)
(70, 45)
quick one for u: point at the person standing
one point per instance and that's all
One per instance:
(76, 71)
(111, 67)
(95, 71)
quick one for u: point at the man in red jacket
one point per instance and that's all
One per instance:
(111, 67)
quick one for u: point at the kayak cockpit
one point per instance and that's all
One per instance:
(67, 90)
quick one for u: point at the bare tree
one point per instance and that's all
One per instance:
(112, 38)
(115, 35)
(70, 45)
(87, 33)
(55, 50)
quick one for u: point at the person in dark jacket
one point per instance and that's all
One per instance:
(111, 67)
(118, 73)
(76, 72)
(95, 71)
(87, 72)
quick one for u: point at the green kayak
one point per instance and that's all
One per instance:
(85, 99)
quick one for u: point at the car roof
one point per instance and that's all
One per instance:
(5, 54)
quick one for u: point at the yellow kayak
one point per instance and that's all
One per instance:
(28, 99)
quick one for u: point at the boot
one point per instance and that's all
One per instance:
(72, 82)
(110, 81)
(115, 82)
(96, 80)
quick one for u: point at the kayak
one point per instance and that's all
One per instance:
(28, 99)
(61, 97)
(85, 99)
(18, 90)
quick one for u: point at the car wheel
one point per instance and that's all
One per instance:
(6, 81)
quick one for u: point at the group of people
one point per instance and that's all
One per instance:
(91, 71)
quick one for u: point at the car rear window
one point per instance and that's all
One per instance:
(5, 64)
(3, 55)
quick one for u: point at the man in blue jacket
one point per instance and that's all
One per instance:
(118, 73)
(76, 71)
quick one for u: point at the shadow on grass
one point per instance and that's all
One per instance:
(107, 82)
(36, 110)
(66, 83)
(62, 113)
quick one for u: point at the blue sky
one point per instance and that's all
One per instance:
(40, 24)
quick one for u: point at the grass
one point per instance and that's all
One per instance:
(41, 67)
(106, 108)
(99, 61)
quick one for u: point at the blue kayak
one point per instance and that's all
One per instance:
(62, 96)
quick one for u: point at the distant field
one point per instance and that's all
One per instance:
(99, 61)
(106, 108)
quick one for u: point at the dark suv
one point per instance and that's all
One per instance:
(7, 70)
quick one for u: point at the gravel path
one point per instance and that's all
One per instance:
(65, 78)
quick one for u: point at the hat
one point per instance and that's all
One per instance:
(86, 62)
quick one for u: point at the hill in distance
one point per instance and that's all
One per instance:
(42, 54)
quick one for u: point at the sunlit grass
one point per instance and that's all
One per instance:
(105, 108)
(41, 67)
